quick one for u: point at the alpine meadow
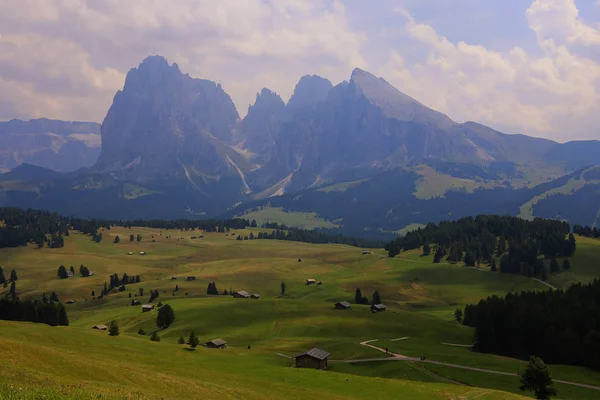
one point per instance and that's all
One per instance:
(282, 199)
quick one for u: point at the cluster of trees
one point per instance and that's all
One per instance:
(165, 317)
(4, 281)
(208, 225)
(63, 273)
(282, 232)
(517, 242)
(138, 237)
(32, 226)
(45, 312)
(360, 299)
(586, 231)
(154, 294)
(115, 282)
(84, 271)
(562, 327)
(212, 289)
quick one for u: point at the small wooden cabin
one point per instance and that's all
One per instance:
(313, 358)
(255, 296)
(378, 308)
(147, 307)
(217, 344)
(242, 294)
(343, 305)
(100, 327)
(311, 281)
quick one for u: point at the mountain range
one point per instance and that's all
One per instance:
(361, 155)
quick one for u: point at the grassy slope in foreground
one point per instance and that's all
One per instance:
(67, 362)
(421, 297)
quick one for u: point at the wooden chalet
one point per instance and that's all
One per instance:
(242, 294)
(100, 327)
(313, 358)
(311, 281)
(217, 344)
(343, 305)
(378, 308)
(147, 307)
(255, 296)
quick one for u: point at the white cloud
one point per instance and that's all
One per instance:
(555, 94)
(75, 52)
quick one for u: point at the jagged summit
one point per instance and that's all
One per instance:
(309, 91)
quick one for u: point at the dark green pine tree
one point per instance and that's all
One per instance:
(376, 298)
(426, 249)
(253, 224)
(193, 340)
(165, 317)
(113, 329)
(283, 287)
(72, 270)
(544, 274)
(154, 337)
(131, 238)
(54, 297)
(13, 290)
(62, 272)
(93, 294)
(538, 379)
(458, 315)
(358, 297)
(181, 340)
(494, 268)
(554, 267)
(62, 316)
(566, 264)
(117, 239)
(13, 276)
(469, 259)
(2, 277)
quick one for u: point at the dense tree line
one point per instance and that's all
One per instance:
(283, 232)
(562, 327)
(518, 243)
(44, 312)
(586, 231)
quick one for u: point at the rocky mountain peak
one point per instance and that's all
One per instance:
(267, 100)
(163, 121)
(309, 91)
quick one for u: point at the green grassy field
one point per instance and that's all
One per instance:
(78, 362)
(303, 220)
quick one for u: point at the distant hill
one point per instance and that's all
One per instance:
(361, 155)
(53, 144)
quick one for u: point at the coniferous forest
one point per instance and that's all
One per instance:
(44, 312)
(586, 231)
(561, 327)
(517, 243)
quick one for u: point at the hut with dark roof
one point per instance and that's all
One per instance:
(343, 305)
(217, 344)
(375, 308)
(242, 294)
(313, 358)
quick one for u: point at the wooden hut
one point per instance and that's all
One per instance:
(343, 305)
(217, 344)
(255, 296)
(313, 358)
(147, 307)
(100, 327)
(242, 294)
(378, 308)
(311, 281)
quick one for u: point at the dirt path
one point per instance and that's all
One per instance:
(399, 357)
(544, 283)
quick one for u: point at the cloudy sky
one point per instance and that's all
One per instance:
(520, 66)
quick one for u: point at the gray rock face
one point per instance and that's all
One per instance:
(309, 91)
(166, 125)
(53, 144)
(259, 129)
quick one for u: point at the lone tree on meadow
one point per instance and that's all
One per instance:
(193, 340)
(131, 238)
(165, 316)
(113, 329)
(154, 337)
(283, 287)
(458, 315)
(538, 379)
(62, 272)
(358, 297)
(13, 275)
(138, 238)
(117, 239)
(376, 298)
